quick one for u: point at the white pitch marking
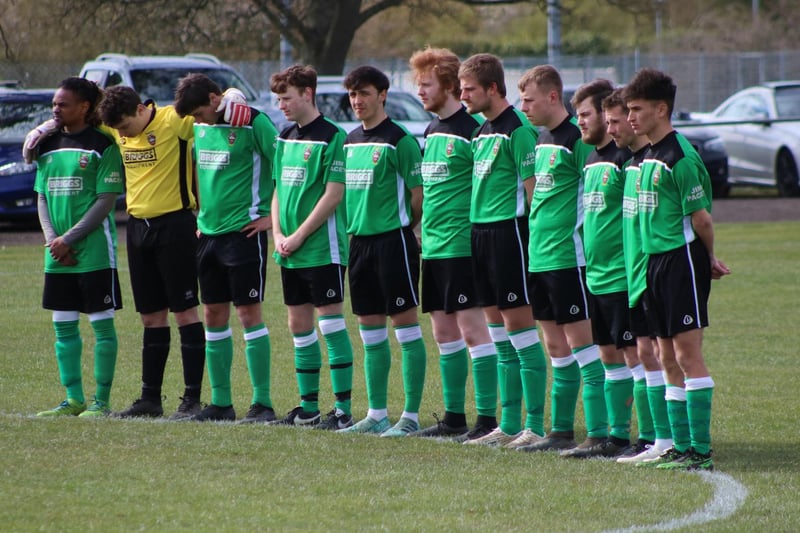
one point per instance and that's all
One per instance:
(729, 496)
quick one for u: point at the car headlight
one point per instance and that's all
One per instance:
(17, 167)
(714, 145)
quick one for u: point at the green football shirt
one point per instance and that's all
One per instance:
(674, 184)
(234, 173)
(503, 152)
(604, 183)
(556, 218)
(72, 170)
(307, 159)
(447, 186)
(382, 165)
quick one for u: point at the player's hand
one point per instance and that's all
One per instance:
(257, 225)
(289, 245)
(234, 105)
(718, 269)
(36, 135)
(62, 252)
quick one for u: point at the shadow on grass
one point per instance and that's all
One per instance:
(760, 456)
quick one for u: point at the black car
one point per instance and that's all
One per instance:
(20, 111)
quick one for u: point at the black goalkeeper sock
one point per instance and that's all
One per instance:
(155, 350)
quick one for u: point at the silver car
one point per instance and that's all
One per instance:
(760, 127)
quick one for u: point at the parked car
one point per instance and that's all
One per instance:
(20, 111)
(156, 77)
(760, 126)
(402, 106)
(706, 141)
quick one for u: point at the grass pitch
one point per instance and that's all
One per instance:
(115, 475)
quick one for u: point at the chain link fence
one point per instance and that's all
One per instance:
(703, 80)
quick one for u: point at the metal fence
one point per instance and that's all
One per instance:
(703, 80)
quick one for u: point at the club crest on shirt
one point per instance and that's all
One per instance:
(232, 137)
(83, 161)
(123, 140)
(552, 159)
(151, 138)
(638, 184)
(606, 174)
(376, 156)
(496, 147)
(656, 177)
(449, 149)
(307, 153)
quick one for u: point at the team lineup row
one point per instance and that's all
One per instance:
(596, 226)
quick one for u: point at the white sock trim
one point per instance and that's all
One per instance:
(377, 414)
(66, 316)
(373, 336)
(619, 374)
(524, 339)
(331, 325)
(446, 348)
(483, 350)
(261, 332)
(655, 378)
(676, 394)
(562, 362)
(638, 372)
(699, 383)
(212, 336)
(498, 333)
(588, 355)
(302, 341)
(408, 334)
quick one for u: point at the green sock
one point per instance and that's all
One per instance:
(644, 419)
(484, 378)
(594, 399)
(656, 394)
(699, 392)
(510, 387)
(219, 358)
(412, 348)
(619, 398)
(257, 351)
(453, 364)
(564, 394)
(678, 418)
(377, 363)
(340, 359)
(69, 346)
(533, 375)
(105, 357)
(307, 364)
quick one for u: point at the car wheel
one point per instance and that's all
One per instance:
(786, 175)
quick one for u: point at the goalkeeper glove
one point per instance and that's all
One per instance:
(234, 105)
(37, 135)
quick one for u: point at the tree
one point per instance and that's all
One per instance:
(322, 32)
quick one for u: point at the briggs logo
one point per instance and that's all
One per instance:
(140, 156)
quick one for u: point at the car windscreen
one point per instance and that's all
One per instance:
(787, 101)
(20, 115)
(159, 83)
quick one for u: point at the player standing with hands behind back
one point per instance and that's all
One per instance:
(678, 235)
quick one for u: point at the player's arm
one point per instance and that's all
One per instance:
(704, 227)
(409, 161)
(264, 133)
(523, 148)
(334, 179)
